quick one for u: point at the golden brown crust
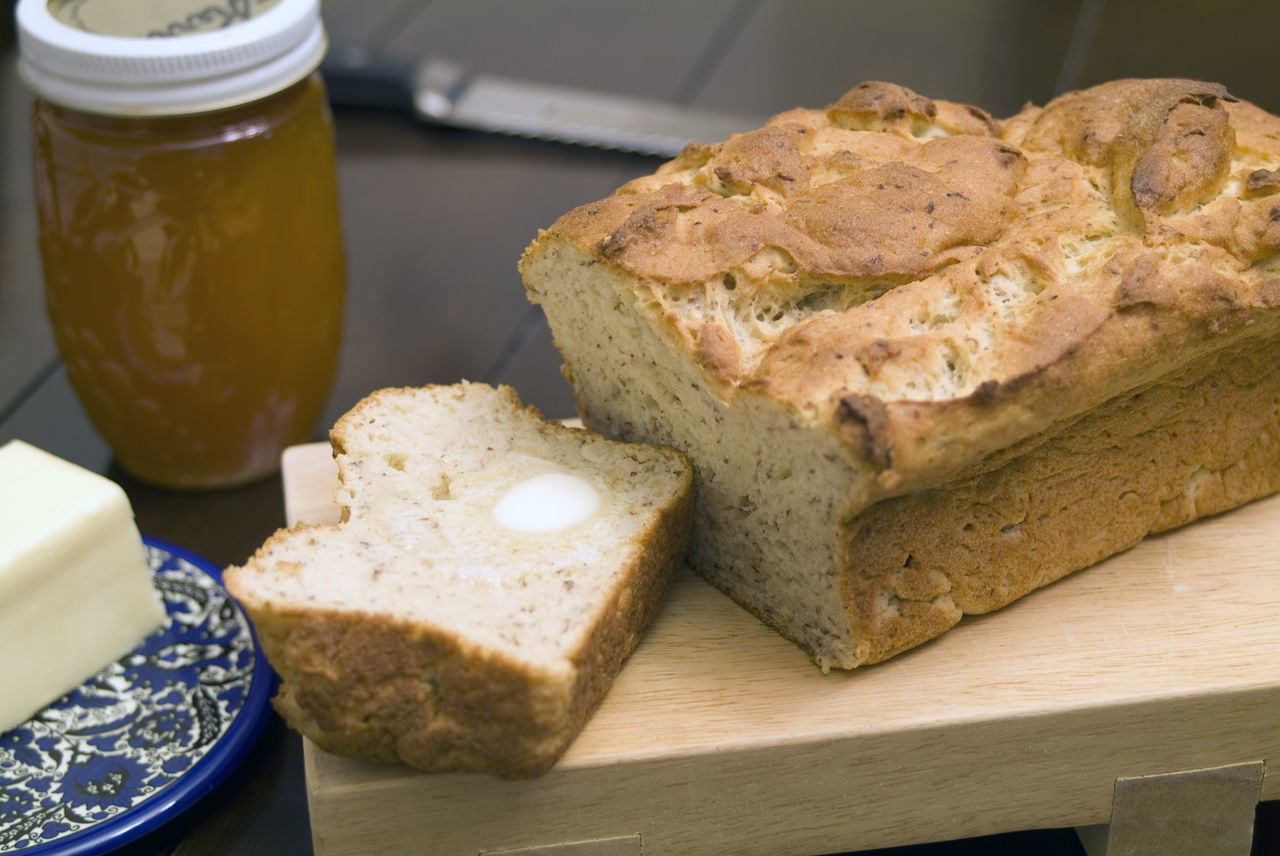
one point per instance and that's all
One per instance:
(374, 688)
(1192, 445)
(968, 274)
(1166, 144)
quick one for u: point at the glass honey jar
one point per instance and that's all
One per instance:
(189, 226)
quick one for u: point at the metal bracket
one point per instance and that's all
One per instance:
(1207, 812)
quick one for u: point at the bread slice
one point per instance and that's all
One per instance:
(420, 629)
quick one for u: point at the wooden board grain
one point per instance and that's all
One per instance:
(721, 737)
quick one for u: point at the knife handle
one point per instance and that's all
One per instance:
(357, 77)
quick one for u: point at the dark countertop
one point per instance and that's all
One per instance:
(436, 219)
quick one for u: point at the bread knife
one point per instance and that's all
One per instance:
(443, 92)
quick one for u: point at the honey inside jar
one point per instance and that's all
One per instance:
(195, 278)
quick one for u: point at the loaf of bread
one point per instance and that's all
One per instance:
(925, 361)
(491, 572)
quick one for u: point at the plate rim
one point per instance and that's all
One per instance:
(206, 774)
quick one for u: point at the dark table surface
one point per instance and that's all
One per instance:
(435, 220)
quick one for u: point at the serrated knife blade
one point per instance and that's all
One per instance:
(441, 91)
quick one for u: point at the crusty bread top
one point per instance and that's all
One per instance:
(937, 285)
(421, 470)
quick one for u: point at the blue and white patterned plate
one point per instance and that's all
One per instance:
(146, 737)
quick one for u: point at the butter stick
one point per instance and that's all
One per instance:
(75, 590)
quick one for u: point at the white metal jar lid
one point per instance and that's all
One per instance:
(216, 55)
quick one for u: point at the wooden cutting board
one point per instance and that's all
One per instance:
(721, 737)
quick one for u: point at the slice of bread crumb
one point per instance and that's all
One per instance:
(422, 630)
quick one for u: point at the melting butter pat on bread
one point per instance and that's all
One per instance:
(491, 572)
